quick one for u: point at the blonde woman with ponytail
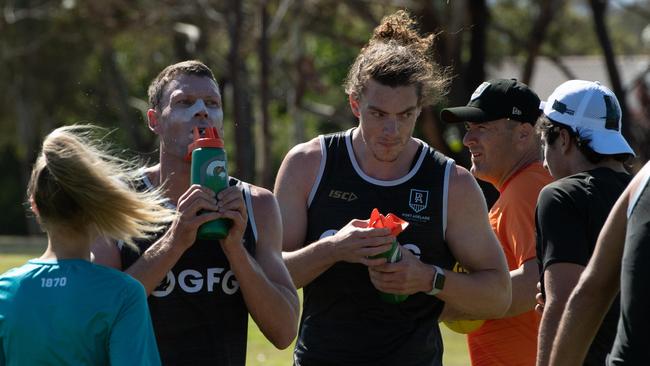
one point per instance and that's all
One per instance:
(61, 308)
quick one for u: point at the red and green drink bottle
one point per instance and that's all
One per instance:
(393, 255)
(209, 169)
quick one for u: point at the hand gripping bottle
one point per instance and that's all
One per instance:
(396, 226)
(209, 170)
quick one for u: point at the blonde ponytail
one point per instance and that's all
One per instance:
(77, 181)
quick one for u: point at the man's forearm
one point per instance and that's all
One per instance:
(154, 263)
(309, 262)
(523, 280)
(479, 295)
(580, 321)
(547, 330)
(274, 306)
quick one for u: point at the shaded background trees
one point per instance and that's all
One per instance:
(281, 63)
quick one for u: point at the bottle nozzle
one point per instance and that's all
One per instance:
(211, 138)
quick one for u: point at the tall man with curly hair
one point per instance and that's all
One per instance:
(326, 189)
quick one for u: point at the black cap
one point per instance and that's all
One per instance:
(497, 99)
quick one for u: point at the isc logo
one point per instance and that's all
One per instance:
(346, 196)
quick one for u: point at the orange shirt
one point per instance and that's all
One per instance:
(512, 341)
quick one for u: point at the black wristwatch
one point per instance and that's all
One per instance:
(438, 281)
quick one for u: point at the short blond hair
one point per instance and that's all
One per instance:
(397, 55)
(169, 73)
(78, 181)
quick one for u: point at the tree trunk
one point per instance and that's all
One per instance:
(447, 53)
(119, 94)
(295, 94)
(244, 145)
(599, 9)
(265, 61)
(547, 10)
(475, 70)
(26, 129)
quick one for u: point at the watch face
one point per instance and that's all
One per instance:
(439, 282)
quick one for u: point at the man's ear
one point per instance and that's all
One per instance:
(32, 205)
(354, 105)
(522, 134)
(152, 120)
(564, 140)
(526, 130)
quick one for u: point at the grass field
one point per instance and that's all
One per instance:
(263, 353)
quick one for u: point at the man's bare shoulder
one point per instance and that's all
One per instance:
(460, 179)
(299, 169)
(305, 153)
(266, 213)
(464, 191)
(638, 179)
(262, 197)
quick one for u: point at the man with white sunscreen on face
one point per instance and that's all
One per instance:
(213, 113)
(202, 291)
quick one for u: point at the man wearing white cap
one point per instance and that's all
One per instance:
(585, 150)
(619, 262)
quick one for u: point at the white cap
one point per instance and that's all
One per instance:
(592, 111)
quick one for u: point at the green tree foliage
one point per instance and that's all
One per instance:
(68, 61)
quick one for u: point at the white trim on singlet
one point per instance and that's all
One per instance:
(384, 183)
(247, 198)
(321, 169)
(637, 194)
(249, 207)
(146, 180)
(445, 196)
(149, 185)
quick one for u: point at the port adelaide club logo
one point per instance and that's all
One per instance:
(418, 200)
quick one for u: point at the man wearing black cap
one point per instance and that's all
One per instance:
(505, 152)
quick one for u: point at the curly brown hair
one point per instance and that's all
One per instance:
(549, 131)
(397, 55)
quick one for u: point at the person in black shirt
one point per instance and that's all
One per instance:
(202, 291)
(584, 150)
(620, 261)
(327, 188)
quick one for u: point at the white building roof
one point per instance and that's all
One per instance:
(547, 75)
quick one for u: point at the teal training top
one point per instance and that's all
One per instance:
(73, 312)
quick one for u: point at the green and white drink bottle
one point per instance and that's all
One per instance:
(392, 255)
(209, 169)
